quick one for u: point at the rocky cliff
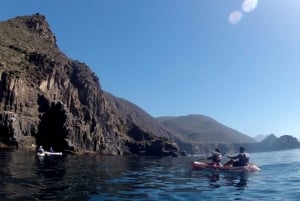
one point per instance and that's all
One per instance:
(48, 99)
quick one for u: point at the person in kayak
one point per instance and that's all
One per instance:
(51, 150)
(40, 149)
(216, 158)
(241, 159)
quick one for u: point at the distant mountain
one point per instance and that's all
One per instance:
(260, 137)
(270, 139)
(127, 111)
(202, 129)
(273, 143)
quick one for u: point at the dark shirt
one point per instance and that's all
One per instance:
(216, 157)
(40, 150)
(243, 159)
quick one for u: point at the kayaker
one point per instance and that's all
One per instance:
(51, 150)
(40, 149)
(216, 158)
(241, 159)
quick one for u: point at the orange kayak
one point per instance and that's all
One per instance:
(197, 165)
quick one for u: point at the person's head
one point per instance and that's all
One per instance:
(242, 149)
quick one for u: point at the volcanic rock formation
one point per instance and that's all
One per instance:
(50, 100)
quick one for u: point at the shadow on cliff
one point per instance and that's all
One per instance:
(52, 131)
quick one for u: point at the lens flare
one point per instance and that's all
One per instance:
(249, 5)
(235, 17)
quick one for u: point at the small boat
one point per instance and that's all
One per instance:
(40, 153)
(197, 165)
(47, 153)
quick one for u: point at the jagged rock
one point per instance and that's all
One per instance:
(48, 99)
(37, 23)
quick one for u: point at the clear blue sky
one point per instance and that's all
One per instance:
(233, 60)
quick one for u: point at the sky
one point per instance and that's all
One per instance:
(236, 61)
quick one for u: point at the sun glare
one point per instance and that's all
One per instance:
(235, 17)
(249, 5)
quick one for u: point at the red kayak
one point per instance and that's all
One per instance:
(196, 165)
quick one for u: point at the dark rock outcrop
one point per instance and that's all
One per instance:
(48, 99)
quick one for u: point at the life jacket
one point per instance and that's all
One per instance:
(217, 157)
(244, 158)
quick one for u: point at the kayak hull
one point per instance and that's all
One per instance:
(40, 153)
(53, 153)
(196, 165)
(47, 153)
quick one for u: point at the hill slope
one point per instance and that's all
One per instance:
(130, 112)
(202, 129)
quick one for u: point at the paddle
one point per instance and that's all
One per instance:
(215, 152)
(202, 158)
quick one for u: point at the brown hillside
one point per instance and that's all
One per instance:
(203, 129)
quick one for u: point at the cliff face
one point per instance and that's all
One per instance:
(48, 99)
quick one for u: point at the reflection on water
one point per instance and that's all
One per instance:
(26, 176)
(218, 179)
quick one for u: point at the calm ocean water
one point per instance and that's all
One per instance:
(24, 176)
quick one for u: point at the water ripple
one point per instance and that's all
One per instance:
(26, 177)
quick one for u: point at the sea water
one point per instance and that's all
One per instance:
(25, 176)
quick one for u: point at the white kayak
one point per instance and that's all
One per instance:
(47, 153)
(53, 153)
(197, 165)
(40, 153)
